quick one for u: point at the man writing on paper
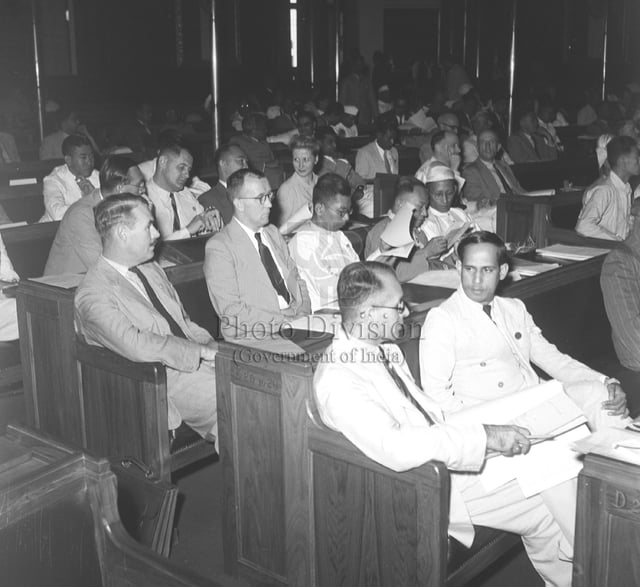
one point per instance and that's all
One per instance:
(365, 391)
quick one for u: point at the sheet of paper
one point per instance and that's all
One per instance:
(571, 253)
(64, 280)
(438, 277)
(549, 192)
(527, 268)
(398, 232)
(23, 181)
(453, 236)
(420, 119)
(13, 224)
(614, 443)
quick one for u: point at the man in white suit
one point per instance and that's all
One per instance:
(253, 282)
(128, 305)
(365, 391)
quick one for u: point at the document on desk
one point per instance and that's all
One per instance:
(615, 443)
(571, 253)
(526, 268)
(449, 278)
(546, 411)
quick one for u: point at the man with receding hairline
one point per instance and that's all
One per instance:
(127, 304)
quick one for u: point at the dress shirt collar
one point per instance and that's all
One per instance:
(223, 183)
(433, 212)
(468, 301)
(382, 152)
(250, 233)
(121, 269)
(490, 165)
(618, 183)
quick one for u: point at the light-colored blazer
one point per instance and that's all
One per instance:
(111, 312)
(369, 161)
(481, 184)
(466, 358)
(240, 288)
(77, 244)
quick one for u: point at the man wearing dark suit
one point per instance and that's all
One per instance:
(253, 283)
(136, 133)
(127, 304)
(527, 145)
(77, 244)
(229, 159)
(486, 179)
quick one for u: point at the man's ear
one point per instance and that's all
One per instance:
(162, 161)
(459, 266)
(122, 231)
(504, 270)
(67, 159)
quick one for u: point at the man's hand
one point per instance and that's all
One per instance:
(435, 247)
(507, 440)
(196, 225)
(208, 351)
(212, 220)
(617, 402)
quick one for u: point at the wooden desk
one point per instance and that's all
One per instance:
(607, 548)
(579, 171)
(23, 203)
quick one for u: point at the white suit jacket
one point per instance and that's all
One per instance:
(467, 358)
(60, 190)
(356, 396)
(369, 161)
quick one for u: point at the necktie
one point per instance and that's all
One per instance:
(86, 187)
(486, 308)
(503, 179)
(157, 304)
(387, 164)
(400, 384)
(176, 218)
(272, 269)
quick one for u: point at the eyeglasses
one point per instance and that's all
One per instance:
(262, 198)
(400, 308)
(342, 212)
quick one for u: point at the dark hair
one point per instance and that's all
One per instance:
(619, 147)
(63, 113)
(115, 210)
(73, 142)
(251, 121)
(224, 151)
(114, 171)
(480, 237)
(386, 122)
(325, 131)
(236, 180)
(407, 184)
(328, 187)
(437, 138)
(169, 136)
(173, 149)
(357, 283)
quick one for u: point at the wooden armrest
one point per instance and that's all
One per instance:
(102, 358)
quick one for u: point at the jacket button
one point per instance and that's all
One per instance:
(518, 336)
(500, 384)
(483, 364)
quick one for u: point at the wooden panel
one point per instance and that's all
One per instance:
(28, 246)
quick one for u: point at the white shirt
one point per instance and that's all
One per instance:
(131, 277)
(148, 169)
(282, 303)
(606, 209)
(186, 203)
(345, 131)
(321, 255)
(60, 190)
(441, 223)
(387, 158)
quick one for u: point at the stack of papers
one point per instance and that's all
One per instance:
(549, 192)
(622, 445)
(526, 268)
(572, 253)
(397, 235)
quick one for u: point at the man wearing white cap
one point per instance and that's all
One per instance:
(347, 126)
(442, 219)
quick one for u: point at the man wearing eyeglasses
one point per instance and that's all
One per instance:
(319, 248)
(253, 282)
(365, 390)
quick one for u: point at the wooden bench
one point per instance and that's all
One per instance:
(28, 247)
(59, 522)
(304, 507)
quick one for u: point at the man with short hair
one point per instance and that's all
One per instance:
(409, 192)
(177, 211)
(527, 144)
(126, 303)
(229, 158)
(319, 247)
(486, 179)
(253, 282)
(69, 182)
(606, 205)
(379, 156)
(448, 122)
(331, 163)
(77, 244)
(365, 390)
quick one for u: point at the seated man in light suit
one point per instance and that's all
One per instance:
(77, 244)
(365, 391)
(229, 158)
(177, 211)
(486, 179)
(379, 156)
(128, 305)
(253, 283)
(69, 182)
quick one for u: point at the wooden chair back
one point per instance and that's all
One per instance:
(28, 247)
(384, 191)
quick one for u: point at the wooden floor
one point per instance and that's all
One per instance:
(199, 541)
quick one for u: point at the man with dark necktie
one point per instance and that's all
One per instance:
(365, 390)
(177, 210)
(127, 304)
(253, 282)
